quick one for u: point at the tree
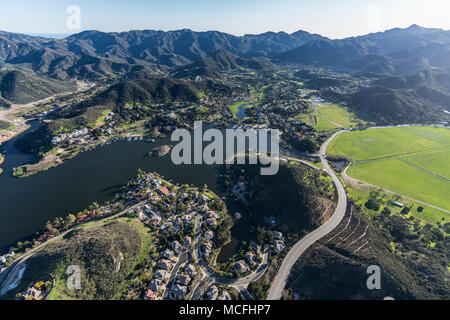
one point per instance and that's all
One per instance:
(372, 204)
(49, 226)
(70, 219)
(263, 236)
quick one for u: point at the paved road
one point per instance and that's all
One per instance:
(300, 247)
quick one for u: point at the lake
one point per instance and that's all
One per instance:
(241, 112)
(93, 176)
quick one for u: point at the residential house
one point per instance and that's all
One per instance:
(251, 258)
(255, 247)
(211, 222)
(164, 264)
(224, 296)
(155, 285)
(278, 246)
(212, 293)
(151, 295)
(183, 279)
(167, 254)
(187, 220)
(161, 274)
(210, 214)
(208, 235)
(177, 247)
(207, 248)
(190, 269)
(241, 266)
(163, 191)
(277, 235)
(156, 220)
(156, 183)
(179, 291)
(187, 242)
(203, 198)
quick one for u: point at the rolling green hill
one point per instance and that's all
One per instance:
(105, 255)
(20, 87)
(222, 60)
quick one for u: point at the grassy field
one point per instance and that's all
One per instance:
(234, 108)
(412, 161)
(389, 142)
(317, 122)
(428, 215)
(328, 117)
(401, 177)
(436, 162)
(339, 115)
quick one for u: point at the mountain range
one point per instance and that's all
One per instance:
(94, 54)
(396, 51)
(412, 65)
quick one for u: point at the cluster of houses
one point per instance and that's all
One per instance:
(214, 293)
(34, 292)
(161, 275)
(148, 216)
(77, 136)
(182, 280)
(278, 242)
(4, 259)
(162, 272)
(251, 259)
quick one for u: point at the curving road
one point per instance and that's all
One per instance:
(300, 247)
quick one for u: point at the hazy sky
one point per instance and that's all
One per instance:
(332, 18)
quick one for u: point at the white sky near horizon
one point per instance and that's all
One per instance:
(331, 18)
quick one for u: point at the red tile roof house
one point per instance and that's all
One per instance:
(46, 236)
(150, 295)
(82, 218)
(164, 191)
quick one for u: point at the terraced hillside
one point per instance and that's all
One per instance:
(336, 267)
